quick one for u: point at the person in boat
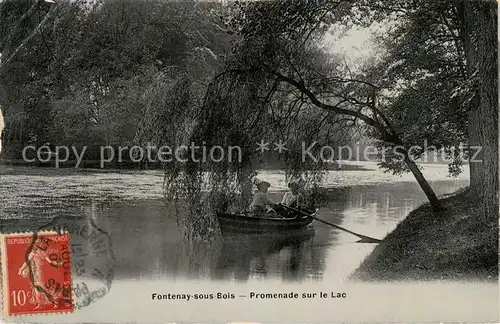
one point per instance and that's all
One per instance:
(293, 198)
(261, 203)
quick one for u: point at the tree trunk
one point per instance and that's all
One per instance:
(429, 192)
(480, 20)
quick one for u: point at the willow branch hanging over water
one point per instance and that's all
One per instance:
(236, 112)
(222, 103)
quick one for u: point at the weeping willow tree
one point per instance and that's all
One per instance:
(222, 107)
(239, 99)
(234, 112)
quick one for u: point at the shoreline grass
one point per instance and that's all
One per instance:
(452, 245)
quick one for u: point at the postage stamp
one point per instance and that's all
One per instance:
(92, 258)
(36, 273)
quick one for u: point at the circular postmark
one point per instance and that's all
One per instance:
(88, 254)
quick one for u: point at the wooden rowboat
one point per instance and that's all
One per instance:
(250, 223)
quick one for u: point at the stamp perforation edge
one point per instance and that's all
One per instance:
(3, 276)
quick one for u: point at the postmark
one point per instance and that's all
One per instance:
(92, 258)
(77, 260)
(36, 273)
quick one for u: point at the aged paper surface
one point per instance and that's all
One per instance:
(249, 161)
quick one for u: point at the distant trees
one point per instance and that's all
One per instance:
(22, 94)
(76, 73)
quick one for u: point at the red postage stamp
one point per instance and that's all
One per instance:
(36, 273)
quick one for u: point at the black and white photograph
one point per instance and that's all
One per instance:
(280, 161)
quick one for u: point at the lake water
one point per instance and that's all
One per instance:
(150, 254)
(147, 244)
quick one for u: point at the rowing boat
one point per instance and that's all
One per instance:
(250, 223)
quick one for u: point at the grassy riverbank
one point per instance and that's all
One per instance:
(454, 244)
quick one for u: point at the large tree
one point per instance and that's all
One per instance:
(419, 91)
(280, 43)
(445, 54)
(481, 48)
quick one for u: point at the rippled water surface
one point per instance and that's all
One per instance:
(146, 240)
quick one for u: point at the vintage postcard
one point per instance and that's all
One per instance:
(285, 161)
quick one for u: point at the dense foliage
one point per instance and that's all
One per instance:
(80, 73)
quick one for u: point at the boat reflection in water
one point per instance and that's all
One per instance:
(284, 254)
(151, 247)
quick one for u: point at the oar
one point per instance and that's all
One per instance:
(364, 239)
